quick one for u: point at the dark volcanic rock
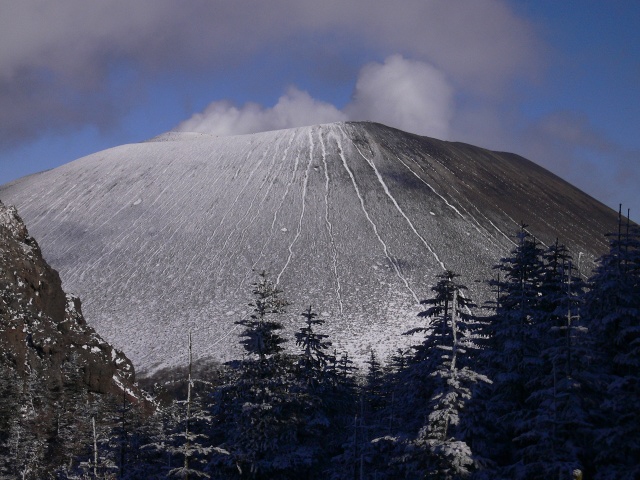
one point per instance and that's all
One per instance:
(41, 328)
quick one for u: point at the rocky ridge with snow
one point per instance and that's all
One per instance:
(355, 219)
(41, 328)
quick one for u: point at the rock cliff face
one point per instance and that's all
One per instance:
(42, 329)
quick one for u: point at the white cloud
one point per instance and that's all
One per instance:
(294, 109)
(405, 94)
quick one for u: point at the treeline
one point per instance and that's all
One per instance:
(545, 383)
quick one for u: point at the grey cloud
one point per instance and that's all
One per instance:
(28, 108)
(72, 46)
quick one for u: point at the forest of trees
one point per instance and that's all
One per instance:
(541, 383)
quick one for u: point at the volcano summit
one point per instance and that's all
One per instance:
(355, 219)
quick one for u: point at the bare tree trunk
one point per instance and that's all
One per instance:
(186, 436)
(95, 447)
(454, 328)
(124, 435)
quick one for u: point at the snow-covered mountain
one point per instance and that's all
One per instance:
(355, 219)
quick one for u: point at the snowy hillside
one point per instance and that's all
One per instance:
(355, 219)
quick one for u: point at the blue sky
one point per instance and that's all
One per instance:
(555, 81)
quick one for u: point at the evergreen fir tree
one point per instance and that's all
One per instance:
(552, 442)
(416, 381)
(32, 427)
(261, 336)
(263, 412)
(313, 361)
(188, 441)
(513, 345)
(441, 452)
(183, 439)
(100, 459)
(612, 307)
(374, 393)
(73, 419)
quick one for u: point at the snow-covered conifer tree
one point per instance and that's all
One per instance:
(512, 354)
(261, 336)
(552, 441)
(263, 412)
(416, 383)
(612, 308)
(187, 440)
(374, 392)
(440, 449)
(314, 359)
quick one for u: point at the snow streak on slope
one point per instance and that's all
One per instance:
(395, 203)
(385, 248)
(238, 229)
(304, 198)
(332, 242)
(275, 214)
(353, 219)
(475, 224)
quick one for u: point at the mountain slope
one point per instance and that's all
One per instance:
(355, 219)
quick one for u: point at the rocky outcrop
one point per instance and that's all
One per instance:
(42, 330)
